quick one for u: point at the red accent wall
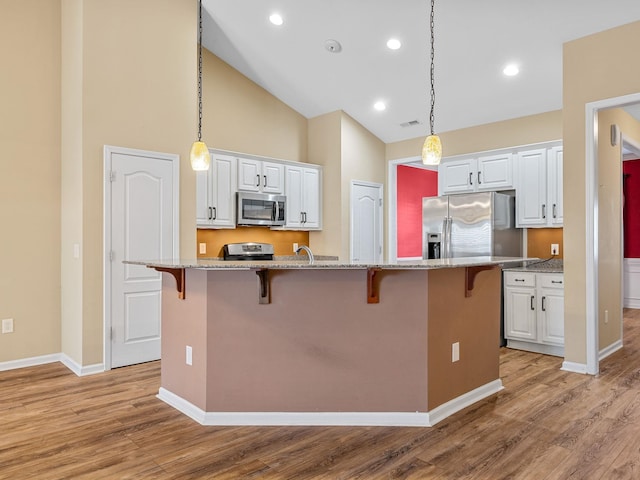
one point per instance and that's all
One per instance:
(632, 209)
(413, 184)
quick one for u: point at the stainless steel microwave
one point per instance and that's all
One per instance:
(260, 209)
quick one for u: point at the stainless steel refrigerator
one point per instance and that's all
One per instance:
(470, 225)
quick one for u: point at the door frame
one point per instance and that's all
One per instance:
(591, 220)
(392, 204)
(108, 152)
(380, 188)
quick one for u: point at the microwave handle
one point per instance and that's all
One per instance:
(276, 210)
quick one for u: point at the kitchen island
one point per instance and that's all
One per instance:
(329, 343)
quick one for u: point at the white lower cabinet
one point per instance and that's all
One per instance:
(534, 311)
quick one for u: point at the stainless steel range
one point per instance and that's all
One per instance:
(247, 251)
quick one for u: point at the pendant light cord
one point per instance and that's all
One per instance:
(200, 70)
(433, 91)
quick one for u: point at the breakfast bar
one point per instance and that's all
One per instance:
(329, 343)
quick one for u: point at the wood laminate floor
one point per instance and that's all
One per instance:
(546, 424)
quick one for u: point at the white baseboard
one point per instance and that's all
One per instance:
(463, 401)
(555, 350)
(375, 419)
(605, 352)
(78, 369)
(29, 362)
(574, 367)
(631, 302)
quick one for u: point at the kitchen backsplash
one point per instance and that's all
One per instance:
(539, 242)
(282, 241)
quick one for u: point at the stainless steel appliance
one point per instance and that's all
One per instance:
(260, 209)
(470, 225)
(247, 251)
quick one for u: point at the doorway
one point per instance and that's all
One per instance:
(140, 223)
(592, 223)
(366, 222)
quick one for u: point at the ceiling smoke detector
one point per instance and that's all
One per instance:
(410, 123)
(333, 46)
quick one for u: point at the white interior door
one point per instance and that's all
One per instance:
(366, 222)
(142, 225)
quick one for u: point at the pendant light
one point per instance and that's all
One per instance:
(199, 154)
(432, 148)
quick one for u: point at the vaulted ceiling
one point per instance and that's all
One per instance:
(474, 40)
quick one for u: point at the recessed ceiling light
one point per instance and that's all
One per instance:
(380, 106)
(394, 44)
(511, 70)
(276, 19)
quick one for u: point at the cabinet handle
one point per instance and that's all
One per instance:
(543, 308)
(479, 182)
(556, 281)
(265, 180)
(519, 279)
(258, 184)
(544, 210)
(210, 213)
(533, 307)
(304, 217)
(301, 217)
(215, 213)
(555, 214)
(470, 178)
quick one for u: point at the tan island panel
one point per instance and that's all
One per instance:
(473, 321)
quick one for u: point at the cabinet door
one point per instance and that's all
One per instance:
(552, 315)
(223, 191)
(249, 175)
(272, 180)
(204, 212)
(495, 172)
(520, 314)
(555, 178)
(311, 204)
(457, 176)
(293, 191)
(531, 196)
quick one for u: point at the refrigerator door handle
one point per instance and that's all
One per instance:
(445, 241)
(449, 223)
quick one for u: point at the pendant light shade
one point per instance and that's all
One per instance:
(432, 148)
(199, 154)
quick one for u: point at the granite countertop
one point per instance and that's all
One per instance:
(544, 266)
(302, 263)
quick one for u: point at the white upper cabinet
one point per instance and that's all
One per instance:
(215, 193)
(477, 174)
(539, 188)
(303, 187)
(260, 176)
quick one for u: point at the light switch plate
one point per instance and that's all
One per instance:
(203, 248)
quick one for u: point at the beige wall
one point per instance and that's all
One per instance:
(347, 152)
(362, 159)
(240, 116)
(325, 139)
(138, 88)
(30, 177)
(543, 127)
(595, 68)
(610, 215)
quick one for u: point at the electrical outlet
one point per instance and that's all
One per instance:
(7, 325)
(203, 248)
(189, 355)
(295, 247)
(606, 316)
(455, 352)
(555, 249)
